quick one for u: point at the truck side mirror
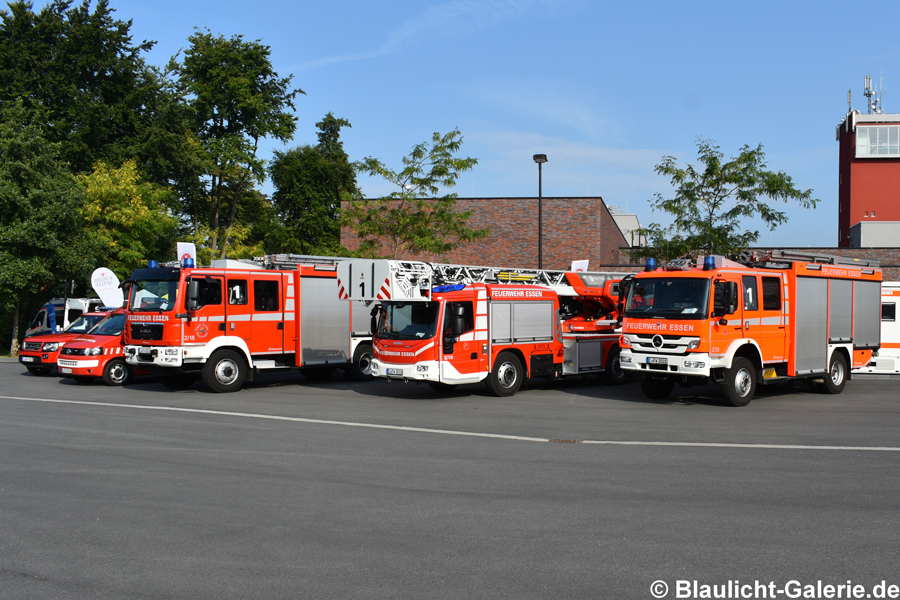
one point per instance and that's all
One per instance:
(193, 295)
(731, 294)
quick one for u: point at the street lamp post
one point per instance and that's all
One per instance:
(540, 159)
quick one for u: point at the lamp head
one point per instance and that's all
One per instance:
(540, 158)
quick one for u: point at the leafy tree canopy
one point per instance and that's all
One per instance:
(712, 199)
(310, 183)
(80, 69)
(412, 219)
(127, 217)
(236, 98)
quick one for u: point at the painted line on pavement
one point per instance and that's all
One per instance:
(500, 436)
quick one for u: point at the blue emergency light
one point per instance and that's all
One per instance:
(152, 264)
(188, 263)
(650, 265)
(709, 263)
(448, 288)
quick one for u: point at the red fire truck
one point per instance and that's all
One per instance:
(768, 317)
(98, 354)
(39, 353)
(447, 325)
(226, 322)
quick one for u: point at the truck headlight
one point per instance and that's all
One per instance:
(92, 351)
(693, 344)
(51, 347)
(421, 368)
(693, 364)
(171, 351)
(624, 359)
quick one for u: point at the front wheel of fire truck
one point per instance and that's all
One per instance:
(224, 371)
(740, 382)
(361, 369)
(614, 375)
(837, 375)
(657, 389)
(507, 376)
(116, 372)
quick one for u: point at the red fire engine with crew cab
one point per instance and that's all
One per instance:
(447, 325)
(226, 322)
(769, 316)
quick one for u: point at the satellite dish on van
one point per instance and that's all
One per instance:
(106, 284)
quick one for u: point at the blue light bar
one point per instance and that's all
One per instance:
(152, 264)
(650, 265)
(448, 288)
(188, 263)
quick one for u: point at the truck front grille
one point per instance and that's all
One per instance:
(146, 331)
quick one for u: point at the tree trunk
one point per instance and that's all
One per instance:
(214, 217)
(234, 202)
(14, 347)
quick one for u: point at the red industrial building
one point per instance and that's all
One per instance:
(869, 177)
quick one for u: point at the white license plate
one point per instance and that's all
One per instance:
(395, 371)
(654, 360)
(66, 371)
(27, 358)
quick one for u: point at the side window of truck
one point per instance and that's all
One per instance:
(468, 316)
(265, 295)
(889, 311)
(771, 287)
(237, 292)
(210, 292)
(751, 296)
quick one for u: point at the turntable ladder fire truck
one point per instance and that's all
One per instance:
(770, 316)
(447, 325)
(226, 322)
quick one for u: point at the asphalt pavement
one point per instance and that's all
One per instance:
(293, 488)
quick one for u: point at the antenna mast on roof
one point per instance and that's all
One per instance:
(873, 96)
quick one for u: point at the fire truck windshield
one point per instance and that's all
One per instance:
(407, 320)
(153, 295)
(113, 325)
(676, 298)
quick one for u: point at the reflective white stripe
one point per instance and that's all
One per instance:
(771, 320)
(289, 304)
(290, 291)
(216, 318)
(467, 337)
(481, 335)
(481, 322)
(482, 294)
(239, 317)
(424, 348)
(289, 316)
(267, 317)
(751, 321)
(201, 319)
(290, 278)
(481, 308)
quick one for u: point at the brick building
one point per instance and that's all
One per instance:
(573, 229)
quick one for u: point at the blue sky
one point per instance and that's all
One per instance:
(605, 89)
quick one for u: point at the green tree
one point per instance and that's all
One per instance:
(127, 217)
(711, 201)
(236, 99)
(42, 237)
(310, 183)
(413, 219)
(80, 69)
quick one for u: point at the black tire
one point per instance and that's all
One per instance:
(116, 372)
(440, 386)
(224, 372)
(177, 382)
(836, 378)
(614, 375)
(83, 379)
(38, 371)
(361, 369)
(740, 382)
(657, 389)
(507, 376)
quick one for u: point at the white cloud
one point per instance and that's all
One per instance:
(457, 19)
